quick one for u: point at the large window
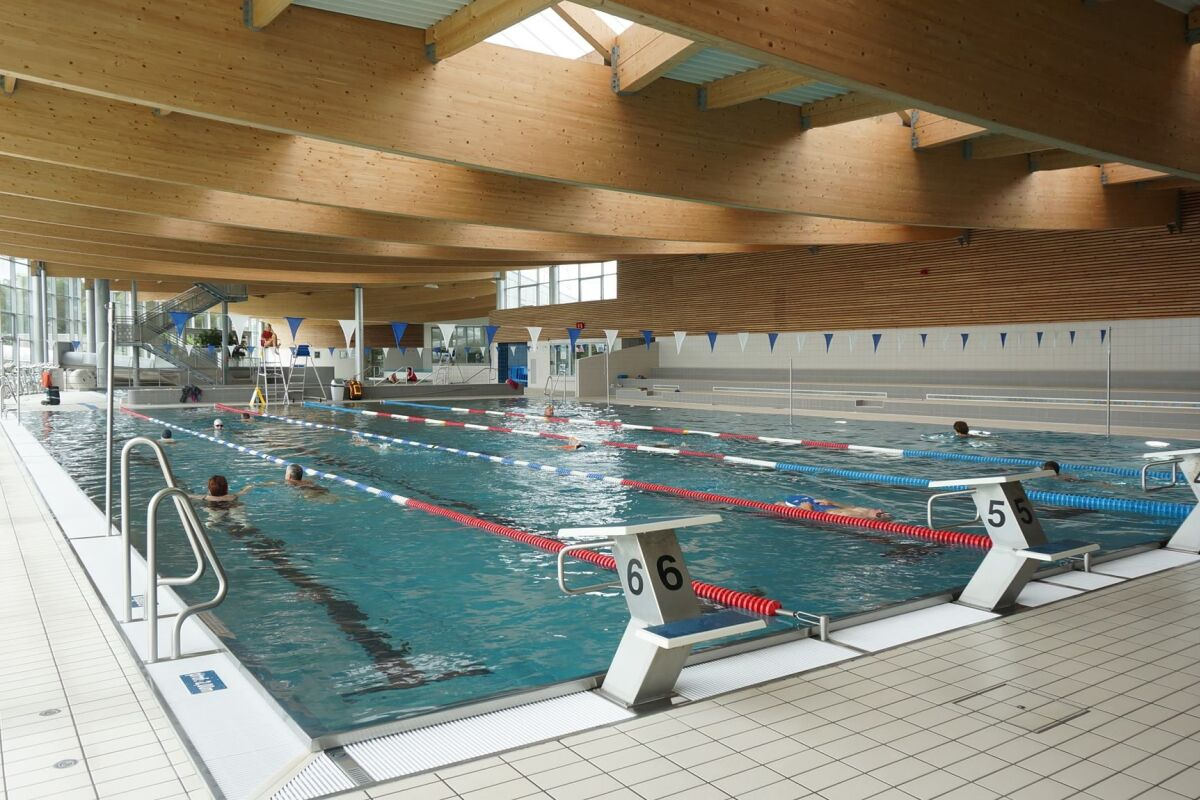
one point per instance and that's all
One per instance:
(565, 283)
(469, 343)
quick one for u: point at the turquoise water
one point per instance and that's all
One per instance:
(353, 610)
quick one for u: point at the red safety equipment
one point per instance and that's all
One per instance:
(46, 382)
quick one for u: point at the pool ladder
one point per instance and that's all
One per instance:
(197, 538)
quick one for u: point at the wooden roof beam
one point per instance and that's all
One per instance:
(388, 98)
(258, 14)
(642, 55)
(1000, 145)
(845, 108)
(1058, 159)
(475, 22)
(1118, 174)
(590, 27)
(8, 85)
(746, 86)
(931, 130)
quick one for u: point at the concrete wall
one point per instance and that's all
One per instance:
(629, 361)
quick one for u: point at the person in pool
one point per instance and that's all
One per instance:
(548, 411)
(963, 431)
(1056, 468)
(218, 426)
(294, 476)
(166, 437)
(219, 495)
(823, 506)
(573, 444)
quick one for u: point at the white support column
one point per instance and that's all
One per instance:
(133, 312)
(89, 320)
(224, 343)
(360, 353)
(37, 326)
(100, 328)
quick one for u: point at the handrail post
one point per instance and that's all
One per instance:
(108, 447)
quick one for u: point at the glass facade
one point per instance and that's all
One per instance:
(65, 315)
(565, 283)
(472, 337)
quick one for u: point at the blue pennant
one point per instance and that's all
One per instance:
(646, 337)
(573, 335)
(1003, 339)
(828, 341)
(1103, 334)
(180, 319)
(712, 341)
(1039, 337)
(924, 336)
(491, 334)
(294, 324)
(771, 337)
(1072, 333)
(964, 336)
(398, 329)
(875, 337)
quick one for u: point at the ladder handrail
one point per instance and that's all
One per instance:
(197, 539)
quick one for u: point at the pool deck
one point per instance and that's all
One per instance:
(953, 715)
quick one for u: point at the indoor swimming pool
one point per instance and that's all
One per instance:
(352, 610)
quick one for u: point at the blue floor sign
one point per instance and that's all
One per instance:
(202, 682)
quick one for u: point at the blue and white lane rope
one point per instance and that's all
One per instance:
(718, 594)
(1125, 472)
(1082, 502)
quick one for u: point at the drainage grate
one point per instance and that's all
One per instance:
(352, 768)
(1026, 708)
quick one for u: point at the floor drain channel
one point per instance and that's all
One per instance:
(348, 765)
(1028, 709)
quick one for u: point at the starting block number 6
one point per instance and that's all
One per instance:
(668, 575)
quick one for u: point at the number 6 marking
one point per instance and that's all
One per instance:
(671, 577)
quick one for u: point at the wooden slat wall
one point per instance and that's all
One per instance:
(322, 333)
(997, 277)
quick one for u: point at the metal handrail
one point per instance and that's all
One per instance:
(821, 621)
(929, 508)
(199, 540)
(1157, 463)
(562, 577)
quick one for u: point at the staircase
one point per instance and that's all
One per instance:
(154, 331)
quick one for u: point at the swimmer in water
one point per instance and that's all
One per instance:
(823, 506)
(548, 412)
(1056, 468)
(247, 417)
(166, 437)
(218, 493)
(963, 431)
(218, 426)
(294, 476)
(573, 444)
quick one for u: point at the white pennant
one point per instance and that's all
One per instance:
(512, 350)
(850, 341)
(447, 329)
(347, 330)
(679, 337)
(239, 322)
(535, 333)
(899, 340)
(385, 351)
(610, 336)
(231, 348)
(800, 337)
(742, 339)
(945, 340)
(188, 347)
(420, 352)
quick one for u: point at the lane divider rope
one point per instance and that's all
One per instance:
(1125, 472)
(717, 594)
(1083, 502)
(976, 540)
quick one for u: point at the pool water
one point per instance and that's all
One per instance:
(352, 610)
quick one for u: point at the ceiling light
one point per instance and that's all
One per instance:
(431, 286)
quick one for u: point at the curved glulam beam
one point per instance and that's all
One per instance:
(367, 84)
(1119, 69)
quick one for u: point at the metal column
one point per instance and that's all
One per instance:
(37, 328)
(100, 317)
(360, 353)
(224, 342)
(89, 320)
(137, 358)
(108, 376)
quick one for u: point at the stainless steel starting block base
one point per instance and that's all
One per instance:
(1187, 536)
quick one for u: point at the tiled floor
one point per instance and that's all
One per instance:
(77, 717)
(948, 717)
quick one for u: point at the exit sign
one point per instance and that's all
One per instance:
(580, 326)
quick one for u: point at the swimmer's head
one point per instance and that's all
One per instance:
(294, 472)
(962, 428)
(166, 434)
(246, 416)
(218, 486)
(218, 425)
(1052, 465)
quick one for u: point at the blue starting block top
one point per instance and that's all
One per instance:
(687, 632)
(1056, 551)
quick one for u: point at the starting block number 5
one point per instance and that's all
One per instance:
(1008, 515)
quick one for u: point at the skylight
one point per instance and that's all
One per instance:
(547, 33)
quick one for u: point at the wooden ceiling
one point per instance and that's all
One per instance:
(303, 151)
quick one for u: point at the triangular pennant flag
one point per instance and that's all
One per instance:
(385, 351)
(742, 339)
(850, 341)
(420, 352)
(679, 337)
(180, 319)
(924, 336)
(1072, 336)
(1003, 339)
(1039, 337)
(167, 346)
(491, 334)
(447, 329)
(294, 324)
(231, 348)
(712, 341)
(250, 350)
(75, 344)
(534, 333)
(239, 322)
(828, 341)
(875, 337)
(964, 338)
(512, 350)
(800, 337)
(646, 337)
(367, 352)
(1103, 334)
(332, 350)
(899, 342)
(212, 349)
(347, 330)
(771, 337)
(398, 329)
(188, 347)
(610, 336)
(573, 335)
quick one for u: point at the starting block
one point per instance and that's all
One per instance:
(1187, 536)
(1018, 543)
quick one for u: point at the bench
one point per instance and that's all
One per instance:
(687, 632)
